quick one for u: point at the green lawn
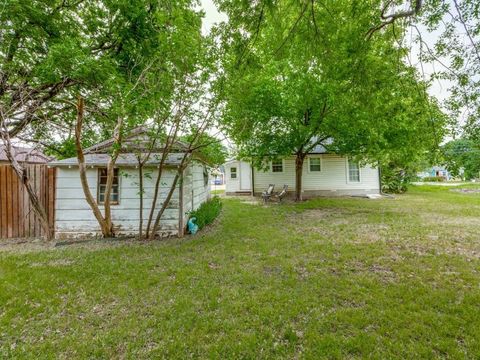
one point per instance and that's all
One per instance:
(328, 278)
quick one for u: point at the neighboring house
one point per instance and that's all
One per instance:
(24, 155)
(324, 174)
(74, 217)
(217, 176)
(438, 171)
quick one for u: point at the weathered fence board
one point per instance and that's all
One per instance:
(17, 217)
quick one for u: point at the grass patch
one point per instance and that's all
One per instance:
(217, 192)
(327, 278)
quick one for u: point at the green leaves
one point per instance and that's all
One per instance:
(462, 158)
(299, 70)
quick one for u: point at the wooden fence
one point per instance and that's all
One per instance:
(17, 217)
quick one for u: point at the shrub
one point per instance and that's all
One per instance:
(394, 180)
(434, 179)
(207, 212)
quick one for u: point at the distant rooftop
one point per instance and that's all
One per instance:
(24, 154)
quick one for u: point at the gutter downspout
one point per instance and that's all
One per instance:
(181, 224)
(380, 178)
(253, 179)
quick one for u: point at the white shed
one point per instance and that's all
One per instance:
(74, 217)
(238, 178)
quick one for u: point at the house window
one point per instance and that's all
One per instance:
(102, 184)
(277, 166)
(315, 164)
(233, 172)
(353, 171)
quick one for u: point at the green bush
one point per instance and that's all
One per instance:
(434, 179)
(207, 212)
(394, 180)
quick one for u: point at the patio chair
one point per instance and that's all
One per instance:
(281, 194)
(268, 193)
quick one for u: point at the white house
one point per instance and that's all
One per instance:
(324, 174)
(74, 217)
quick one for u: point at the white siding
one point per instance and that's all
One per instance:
(73, 216)
(243, 181)
(232, 185)
(333, 177)
(195, 190)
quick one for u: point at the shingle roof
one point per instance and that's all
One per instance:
(320, 149)
(23, 154)
(137, 139)
(124, 159)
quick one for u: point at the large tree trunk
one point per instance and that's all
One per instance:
(105, 222)
(110, 176)
(82, 168)
(299, 160)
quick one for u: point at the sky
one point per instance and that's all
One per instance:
(212, 15)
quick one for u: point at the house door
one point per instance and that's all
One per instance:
(245, 177)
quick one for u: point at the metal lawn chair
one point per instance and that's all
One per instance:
(268, 193)
(281, 194)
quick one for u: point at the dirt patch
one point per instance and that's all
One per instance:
(272, 270)
(370, 233)
(32, 245)
(58, 262)
(466, 191)
(319, 214)
(302, 272)
(25, 245)
(442, 220)
(467, 252)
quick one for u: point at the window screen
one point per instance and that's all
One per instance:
(277, 166)
(102, 184)
(353, 171)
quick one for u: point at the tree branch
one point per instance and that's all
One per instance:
(390, 18)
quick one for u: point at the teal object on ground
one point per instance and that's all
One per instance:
(192, 227)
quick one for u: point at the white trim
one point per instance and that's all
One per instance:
(119, 179)
(347, 172)
(277, 172)
(237, 172)
(321, 164)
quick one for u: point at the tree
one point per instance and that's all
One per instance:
(41, 57)
(152, 72)
(297, 75)
(209, 148)
(454, 54)
(49, 52)
(462, 158)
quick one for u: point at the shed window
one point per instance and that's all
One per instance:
(102, 184)
(315, 164)
(205, 176)
(233, 172)
(353, 171)
(277, 166)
